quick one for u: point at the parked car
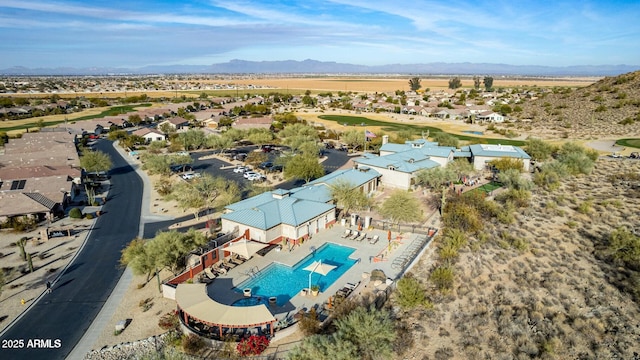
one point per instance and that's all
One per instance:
(181, 168)
(275, 168)
(190, 175)
(240, 156)
(265, 165)
(634, 155)
(248, 174)
(241, 169)
(257, 177)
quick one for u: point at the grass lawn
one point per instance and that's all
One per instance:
(634, 143)
(487, 188)
(394, 127)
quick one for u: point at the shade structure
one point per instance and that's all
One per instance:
(194, 301)
(319, 268)
(245, 248)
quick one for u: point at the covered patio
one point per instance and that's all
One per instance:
(194, 303)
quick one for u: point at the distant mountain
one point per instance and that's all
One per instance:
(329, 67)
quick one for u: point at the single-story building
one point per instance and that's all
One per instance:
(150, 135)
(481, 154)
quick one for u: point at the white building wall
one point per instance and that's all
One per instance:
(394, 179)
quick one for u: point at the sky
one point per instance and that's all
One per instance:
(134, 34)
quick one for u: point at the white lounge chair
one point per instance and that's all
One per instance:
(354, 235)
(210, 274)
(374, 239)
(361, 237)
(346, 233)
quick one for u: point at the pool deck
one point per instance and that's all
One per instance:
(221, 289)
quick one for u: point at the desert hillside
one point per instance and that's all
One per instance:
(607, 108)
(544, 286)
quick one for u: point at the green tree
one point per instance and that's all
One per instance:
(135, 119)
(192, 139)
(414, 83)
(205, 192)
(353, 138)
(401, 206)
(297, 134)
(455, 83)
(488, 83)
(348, 197)
(260, 136)
(476, 82)
(305, 167)
(170, 248)
(95, 161)
(137, 256)
(371, 331)
(218, 142)
(436, 177)
(503, 164)
(539, 150)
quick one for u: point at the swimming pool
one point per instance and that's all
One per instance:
(284, 282)
(474, 132)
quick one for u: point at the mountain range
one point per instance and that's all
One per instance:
(327, 67)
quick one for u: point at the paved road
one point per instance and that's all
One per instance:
(81, 291)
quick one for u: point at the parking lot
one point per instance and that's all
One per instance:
(204, 163)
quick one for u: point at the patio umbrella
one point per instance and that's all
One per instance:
(389, 235)
(319, 268)
(245, 248)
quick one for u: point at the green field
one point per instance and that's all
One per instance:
(395, 127)
(634, 143)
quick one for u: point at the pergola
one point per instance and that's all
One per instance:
(195, 303)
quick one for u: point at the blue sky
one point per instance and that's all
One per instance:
(62, 33)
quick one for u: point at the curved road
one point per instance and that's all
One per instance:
(81, 291)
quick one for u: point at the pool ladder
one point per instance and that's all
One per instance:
(253, 272)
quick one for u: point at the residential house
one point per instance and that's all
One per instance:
(263, 122)
(490, 116)
(176, 123)
(150, 135)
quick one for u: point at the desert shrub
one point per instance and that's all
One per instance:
(309, 323)
(442, 277)
(192, 343)
(88, 217)
(145, 304)
(585, 207)
(324, 347)
(411, 294)
(344, 307)
(169, 321)
(517, 197)
(462, 212)
(625, 246)
(75, 213)
(513, 179)
(507, 163)
(253, 345)
(164, 186)
(539, 150)
(372, 331)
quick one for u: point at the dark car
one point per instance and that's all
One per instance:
(275, 168)
(265, 165)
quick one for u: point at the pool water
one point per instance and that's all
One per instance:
(284, 282)
(474, 132)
